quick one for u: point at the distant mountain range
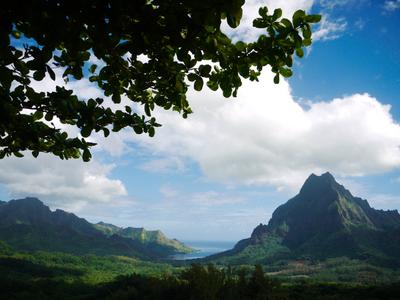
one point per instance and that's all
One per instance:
(29, 225)
(323, 221)
(154, 239)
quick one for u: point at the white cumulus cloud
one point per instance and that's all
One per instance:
(265, 137)
(68, 184)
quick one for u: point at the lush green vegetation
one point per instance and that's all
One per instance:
(29, 225)
(63, 276)
(69, 258)
(200, 282)
(88, 269)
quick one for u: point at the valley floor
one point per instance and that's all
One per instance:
(45, 275)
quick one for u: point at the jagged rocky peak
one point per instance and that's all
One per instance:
(322, 206)
(320, 183)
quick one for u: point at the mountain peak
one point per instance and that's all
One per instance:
(322, 207)
(324, 220)
(29, 203)
(316, 183)
(325, 177)
(29, 200)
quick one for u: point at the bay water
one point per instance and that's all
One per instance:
(204, 248)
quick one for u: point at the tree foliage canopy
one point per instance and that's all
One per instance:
(150, 50)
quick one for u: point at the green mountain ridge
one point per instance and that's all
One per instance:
(29, 225)
(323, 221)
(153, 238)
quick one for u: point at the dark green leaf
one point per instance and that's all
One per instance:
(198, 84)
(151, 131)
(147, 109)
(16, 34)
(92, 68)
(276, 79)
(86, 156)
(49, 117)
(234, 18)
(204, 70)
(227, 92)
(263, 11)
(106, 132)
(299, 52)
(277, 14)
(116, 98)
(37, 115)
(51, 73)
(285, 72)
(93, 78)
(212, 85)
(298, 17)
(313, 18)
(38, 75)
(86, 131)
(244, 70)
(240, 46)
(18, 154)
(192, 77)
(307, 42)
(306, 32)
(138, 129)
(260, 23)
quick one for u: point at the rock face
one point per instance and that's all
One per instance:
(324, 220)
(29, 225)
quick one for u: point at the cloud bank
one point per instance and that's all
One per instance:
(67, 184)
(265, 137)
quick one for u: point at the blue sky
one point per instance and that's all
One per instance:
(224, 170)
